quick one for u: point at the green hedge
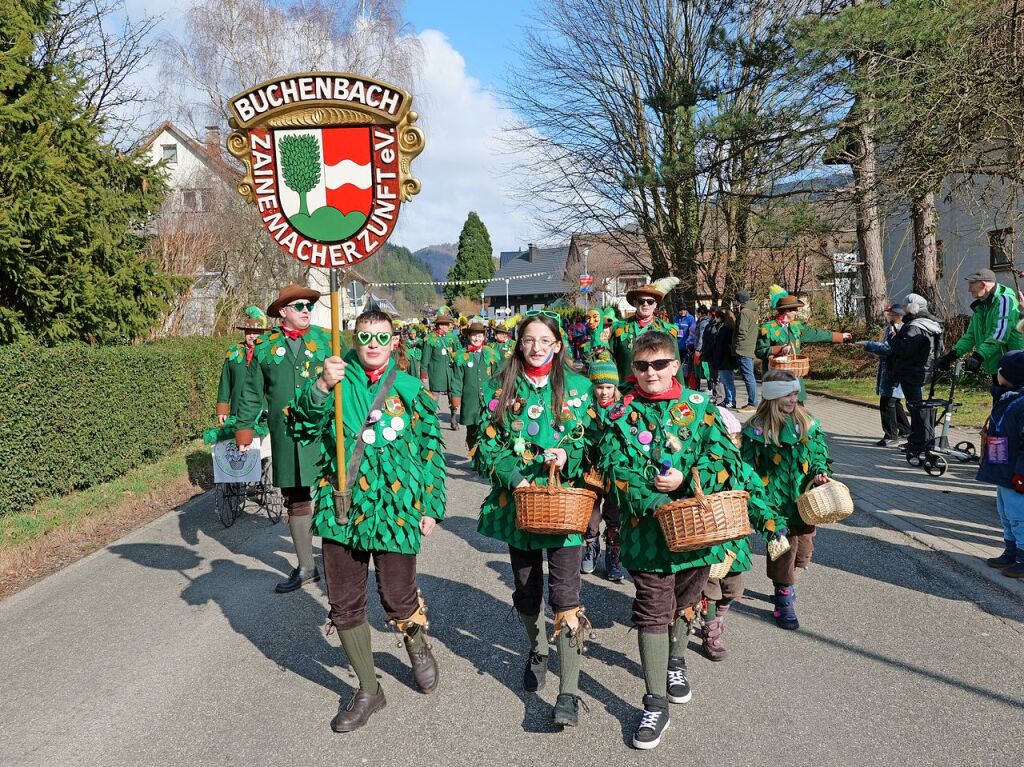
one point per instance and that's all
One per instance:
(74, 416)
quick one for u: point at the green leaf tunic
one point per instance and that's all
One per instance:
(438, 360)
(472, 371)
(401, 477)
(785, 470)
(508, 453)
(687, 432)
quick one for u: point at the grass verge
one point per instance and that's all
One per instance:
(973, 411)
(57, 531)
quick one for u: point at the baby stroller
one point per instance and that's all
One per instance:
(934, 459)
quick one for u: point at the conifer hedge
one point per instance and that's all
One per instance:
(73, 416)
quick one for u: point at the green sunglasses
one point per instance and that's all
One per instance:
(303, 306)
(363, 338)
(545, 312)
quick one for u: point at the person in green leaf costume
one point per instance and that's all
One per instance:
(474, 367)
(598, 348)
(284, 358)
(503, 344)
(787, 448)
(656, 434)
(437, 367)
(398, 494)
(536, 415)
(785, 335)
(414, 349)
(646, 299)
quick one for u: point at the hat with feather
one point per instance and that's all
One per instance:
(657, 289)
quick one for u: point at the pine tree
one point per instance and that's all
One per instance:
(300, 161)
(74, 212)
(473, 261)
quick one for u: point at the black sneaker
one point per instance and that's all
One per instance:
(653, 722)
(535, 672)
(567, 710)
(678, 685)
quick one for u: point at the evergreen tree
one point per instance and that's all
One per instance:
(74, 212)
(474, 260)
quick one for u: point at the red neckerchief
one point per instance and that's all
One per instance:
(672, 392)
(248, 353)
(294, 335)
(534, 374)
(472, 348)
(440, 333)
(607, 404)
(644, 322)
(375, 375)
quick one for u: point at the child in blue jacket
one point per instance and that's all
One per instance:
(1002, 460)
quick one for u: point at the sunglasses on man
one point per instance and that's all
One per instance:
(659, 365)
(363, 338)
(302, 306)
(645, 301)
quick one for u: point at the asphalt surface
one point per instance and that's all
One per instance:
(169, 648)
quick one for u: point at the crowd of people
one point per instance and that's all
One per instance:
(629, 400)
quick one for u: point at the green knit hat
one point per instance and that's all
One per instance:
(604, 372)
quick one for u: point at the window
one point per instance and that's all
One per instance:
(189, 199)
(169, 152)
(1000, 248)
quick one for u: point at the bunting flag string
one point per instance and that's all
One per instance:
(443, 283)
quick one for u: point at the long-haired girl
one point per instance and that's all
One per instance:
(786, 446)
(535, 415)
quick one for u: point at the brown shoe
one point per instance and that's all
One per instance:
(424, 668)
(358, 711)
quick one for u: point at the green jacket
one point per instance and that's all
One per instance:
(401, 476)
(273, 378)
(785, 469)
(625, 332)
(775, 335)
(686, 432)
(508, 452)
(744, 339)
(993, 328)
(232, 380)
(472, 371)
(438, 362)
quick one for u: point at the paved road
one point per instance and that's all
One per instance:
(168, 648)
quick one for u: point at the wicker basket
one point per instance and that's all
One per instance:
(704, 520)
(553, 509)
(826, 503)
(797, 364)
(721, 569)
(595, 481)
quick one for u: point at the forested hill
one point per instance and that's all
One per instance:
(438, 258)
(398, 264)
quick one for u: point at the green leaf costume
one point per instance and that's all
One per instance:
(414, 351)
(229, 394)
(402, 474)
(625, 333)
(785, 469)
(507, 453)
(438, 360)
(503, 349)
(273, 377)
(687, 432)
(472, 371)
(775, 334)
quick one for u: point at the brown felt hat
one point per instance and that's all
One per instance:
(476, 327)
(289, 293)
(788, 302)
(442, 319)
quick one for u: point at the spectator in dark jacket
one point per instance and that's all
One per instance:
(724, 361)
(1002, 460)
(744, 342)
(914, 348)
(697, 341)
(895, 424)
(709, 344)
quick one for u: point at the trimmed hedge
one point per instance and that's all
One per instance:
(73, 416)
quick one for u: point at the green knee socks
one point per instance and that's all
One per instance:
(654, 659)
(534, 625)
(302, 537)
(414, 638)
(679, 637)
(570, 658)
(357, 646)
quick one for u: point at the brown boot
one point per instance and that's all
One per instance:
(358, 711)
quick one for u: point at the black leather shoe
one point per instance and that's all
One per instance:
(567, 710)
(297, 579)
(424, 668)
(535, 672)
(358, 711)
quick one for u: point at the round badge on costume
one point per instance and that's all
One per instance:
(469, 364)
(280, 351)
(375, 415)
(534, 412)
(533, 429)
(389, 434)
(369, 436)
(645, 437)
(397, 423)
(696, 399)
(492, 405)
(444, 352)
(517, 425)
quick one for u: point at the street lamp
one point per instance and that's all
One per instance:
(586, 270)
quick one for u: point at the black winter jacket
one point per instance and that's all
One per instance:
(914, 349)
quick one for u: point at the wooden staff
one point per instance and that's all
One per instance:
(342, 498)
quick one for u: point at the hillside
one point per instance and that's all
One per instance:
(400, 265)
(438, 258)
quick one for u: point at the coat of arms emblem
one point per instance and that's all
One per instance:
(327, 158)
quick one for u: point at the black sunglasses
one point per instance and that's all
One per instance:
(659, 365)
(642, 301)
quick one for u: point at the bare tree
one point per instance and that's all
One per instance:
(98, 42)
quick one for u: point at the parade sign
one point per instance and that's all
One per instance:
(327, 158)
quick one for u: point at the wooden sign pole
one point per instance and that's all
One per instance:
(342, 498)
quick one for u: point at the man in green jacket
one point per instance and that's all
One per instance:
(744, 343)
(236, 363)
(993, 328)
(646, 299)
(437, 366)
(285, 358)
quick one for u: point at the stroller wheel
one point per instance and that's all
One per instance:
(914, 459)
(936, 466)
(966, 447)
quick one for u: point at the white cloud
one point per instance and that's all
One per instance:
(462, 166)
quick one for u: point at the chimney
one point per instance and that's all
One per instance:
(531, 251)
(213, 139)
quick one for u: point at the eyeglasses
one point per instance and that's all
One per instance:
(363, 338)
(659, 365)
(302, 306)
(542, 343)
(645, 301)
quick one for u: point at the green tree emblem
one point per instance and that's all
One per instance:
(300, 161)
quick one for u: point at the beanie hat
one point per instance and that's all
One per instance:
(742, 297)
(916, 304)
(604, 372)
(1011, 367)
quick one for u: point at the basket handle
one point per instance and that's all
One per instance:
(698, 491)
(554, 481)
